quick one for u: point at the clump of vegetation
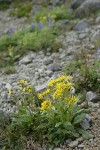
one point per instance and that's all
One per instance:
(49, 117)
(86, 72)
(34, 37)
(56, 13)
(22, 10)
(4, 5)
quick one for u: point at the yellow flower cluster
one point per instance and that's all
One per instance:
(22, 82)
(10, 92)
(42, 95)
(46, 104)
(72, 100)
(30, 88)
(45, 18)
(59, 79)
(59, 90)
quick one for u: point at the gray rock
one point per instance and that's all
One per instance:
(8, 86)
(96, 99)
(98, 20)
(49, 73)
(55, 67)
(87, 7)
(25, 60)
(89, 96)
(95, 36)
(81, 25)
(73, 144)
(48, 61)
(81, 146)
(40, 88)
(68, 141)
(62, 22)
(86, 122)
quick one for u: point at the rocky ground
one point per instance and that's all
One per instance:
(40, 67)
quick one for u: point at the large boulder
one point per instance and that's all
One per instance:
(81, 25)
(87, 7)
(76, 3)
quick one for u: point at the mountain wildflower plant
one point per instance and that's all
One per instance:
(50, 116)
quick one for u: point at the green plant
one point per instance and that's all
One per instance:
(9, 69)
(4, 5)
(35, 40)
(61, 12)
(22, 10)
(86, 74)
(49, 117)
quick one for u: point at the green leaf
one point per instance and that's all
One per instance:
(58, 124)
(79, 118)
(68, 126)
(85, 134)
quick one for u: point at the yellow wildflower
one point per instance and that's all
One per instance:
(44, 18)
(59, 79)
(73, 99)
(10, 91)
(45, 104)
(30, 88)
(22, 82)
(41, 95)
(24, 89)
(69, 85)
(68, 78)
(60, 89)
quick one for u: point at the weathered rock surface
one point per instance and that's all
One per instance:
(87, 7)
(81, 25)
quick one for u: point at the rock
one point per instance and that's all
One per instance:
(81, 25)
(98, 111)
(98, 20)
(73, 144)
(49, 73)
(62, 22)
(81, 146)
(8, 86)
(25, 60)
(86, 122)
(89, 96)
(40, 88)
(96, 99)
(57, 149)
(68, 141)
(48, 61)
(76, 3)
(87, 7)
(95, 36)
(55, 67)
